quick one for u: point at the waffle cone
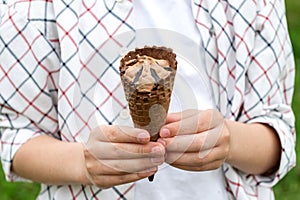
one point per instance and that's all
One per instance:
(149, 109)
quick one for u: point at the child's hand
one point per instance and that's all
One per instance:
(196, 140)
(117, 155)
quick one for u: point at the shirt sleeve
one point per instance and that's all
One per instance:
(29, 64)
(270, 85)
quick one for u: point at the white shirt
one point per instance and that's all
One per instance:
(153, 29)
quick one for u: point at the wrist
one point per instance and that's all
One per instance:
(81, 173)
(232, 146)
(254, 148)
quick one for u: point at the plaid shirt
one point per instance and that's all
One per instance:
(46, 48)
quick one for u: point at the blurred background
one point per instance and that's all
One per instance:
(289, 187)
(286, 189)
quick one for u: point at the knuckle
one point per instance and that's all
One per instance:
(104, 185)
(215, 117)
(204, 119)
(97, 133)
(226, 133)
(88, 156)
(226, 150)
(200, 162)
(86, 153)
(214, 167)
(218, 164)
(89, 166)
(111, 134)
(102, 182)
(102, 129)
(121, 179)
(118, 150)
(141, 149)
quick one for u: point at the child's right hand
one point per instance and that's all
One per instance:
(116, 155)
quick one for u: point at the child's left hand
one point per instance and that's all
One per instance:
(196, 140)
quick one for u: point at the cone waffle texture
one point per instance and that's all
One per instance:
(149, 109)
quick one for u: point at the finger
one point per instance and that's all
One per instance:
(194, 142)
(187, 159)
(196, 158)
(183, 127)
(122, 134)
(206, 167)
(173, 117)
(192, 121)
(216, 137)
(184, 143)
(117, 167)
(112, 151)
(108, 181)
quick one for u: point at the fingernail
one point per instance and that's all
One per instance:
(156, 149)
(157, 160)
(143, 137)
(165, 133)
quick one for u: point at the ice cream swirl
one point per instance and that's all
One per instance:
(146, 72)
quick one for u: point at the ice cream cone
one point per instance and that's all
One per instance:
(149, 95)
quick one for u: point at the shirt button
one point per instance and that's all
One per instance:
(124, 114)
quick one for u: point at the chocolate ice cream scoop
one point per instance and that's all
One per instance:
(145, 72)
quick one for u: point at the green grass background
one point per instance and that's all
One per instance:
(287, 189)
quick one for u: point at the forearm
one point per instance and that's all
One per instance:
(254, 148)
(47, 160)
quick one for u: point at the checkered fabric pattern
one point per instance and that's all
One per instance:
(56, 55)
